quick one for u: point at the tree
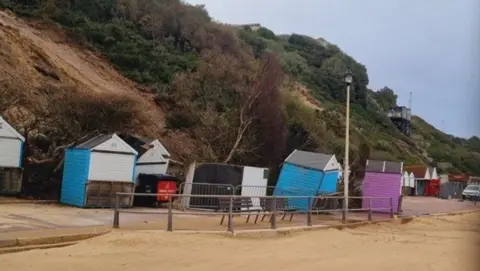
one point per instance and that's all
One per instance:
(293, 63)
(268, 120)
(332, 77)
(266, 33)
(210, 101)
(386, 98)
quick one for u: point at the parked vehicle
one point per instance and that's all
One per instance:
(154, 184)
(471, 192)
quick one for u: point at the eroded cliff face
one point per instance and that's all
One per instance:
(41, 71)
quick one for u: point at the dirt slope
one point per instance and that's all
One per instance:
(33, 56)
(45, 49)
(304, 95)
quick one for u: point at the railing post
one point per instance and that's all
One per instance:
(309, 214)
(369, 209)
(230, 215)
(170, 213)
(391, 207)
(344, 211)
(273, 219)
(116, 214)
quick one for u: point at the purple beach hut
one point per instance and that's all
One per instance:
(382, 179)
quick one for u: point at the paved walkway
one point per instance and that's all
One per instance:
(25, 217)
(431, 205)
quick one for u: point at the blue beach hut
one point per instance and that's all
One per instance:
(307, 174)
(95, 170)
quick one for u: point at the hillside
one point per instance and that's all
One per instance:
(210, 92)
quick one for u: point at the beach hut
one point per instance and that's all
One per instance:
(433, 185)
(340, 172)
(406, 184)
(153, 157)
(223, 179)
(307, 174)
(382, 179)
(422, 179)
(11, 154)
(95, 170)
(412, 183)
(432, 172)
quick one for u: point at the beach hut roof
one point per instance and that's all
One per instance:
(96, 141)
(312, 160)
(418, 171)
(9, 130)
(384, 166)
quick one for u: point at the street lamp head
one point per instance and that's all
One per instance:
(348, 77)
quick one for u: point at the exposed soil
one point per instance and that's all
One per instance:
(435, 243)
(304, 95)
(34, 56)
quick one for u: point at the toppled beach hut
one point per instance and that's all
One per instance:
(223, 179)
(383, 180)
(95, 170)
(307, 174)
(153, 157)
(11, 155)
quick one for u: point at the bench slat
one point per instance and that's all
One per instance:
(281, 205)
(238, 203)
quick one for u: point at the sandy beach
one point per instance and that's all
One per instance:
(434, 243)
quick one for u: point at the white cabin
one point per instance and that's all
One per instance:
(154, 161)
(94, 171)
(11, 146)
(153, 157)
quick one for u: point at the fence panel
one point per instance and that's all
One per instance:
(193, 189)
(453, 190)
(277, 212)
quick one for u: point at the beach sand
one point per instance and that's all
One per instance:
(429, 243)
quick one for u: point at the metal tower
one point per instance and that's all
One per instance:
(401, 116)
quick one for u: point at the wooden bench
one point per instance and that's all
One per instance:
(240, 205)
(281, 206)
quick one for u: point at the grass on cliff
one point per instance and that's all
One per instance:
(173, 48)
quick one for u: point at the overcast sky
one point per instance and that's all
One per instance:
(428, 47)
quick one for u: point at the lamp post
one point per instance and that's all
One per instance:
(348, 81)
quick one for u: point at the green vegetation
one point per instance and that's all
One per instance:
(221, 85)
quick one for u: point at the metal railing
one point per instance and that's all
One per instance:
(273, 213)
(203, 189)
(254, 191)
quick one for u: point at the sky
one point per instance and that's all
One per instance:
(429, 47)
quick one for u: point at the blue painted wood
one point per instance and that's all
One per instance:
(298, 181)
(420, 188)
(134, 168)
(329, 182)
(20, 163)
(75, 175)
